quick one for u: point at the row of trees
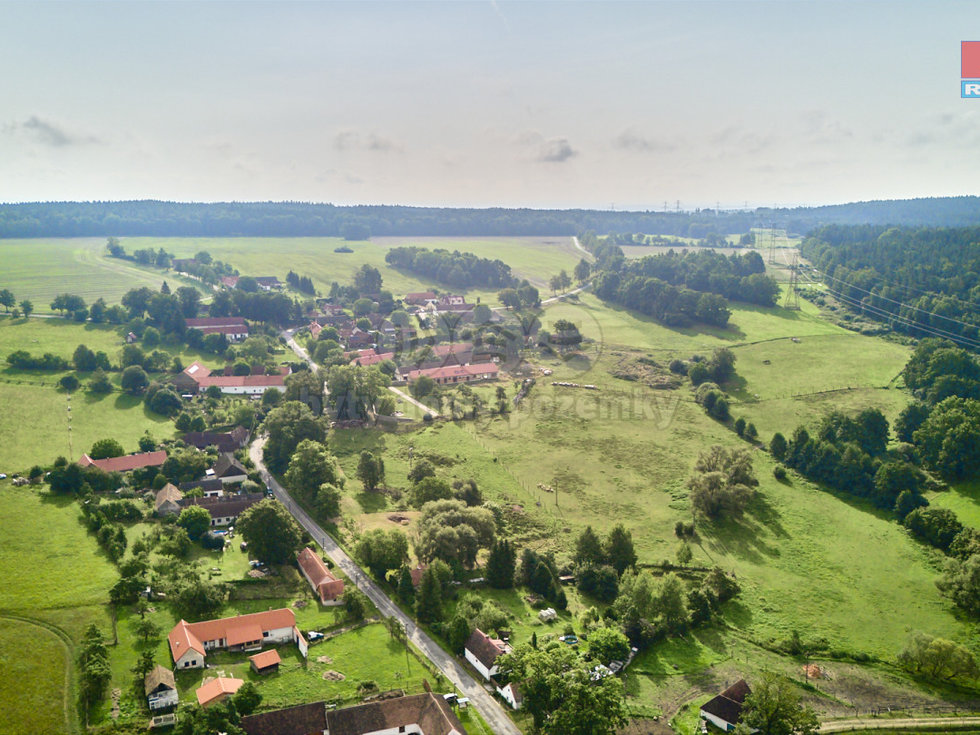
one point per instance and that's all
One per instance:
(920, 281)
(670, 305)
(461, 270)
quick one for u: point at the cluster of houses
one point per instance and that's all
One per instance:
(197, 378)
(482, 652)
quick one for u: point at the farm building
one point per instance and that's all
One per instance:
(321, 579)
(266, 662)
(190, 642)
(160, 688)
(419, 714)
(197, 378)
(233, 327)
(224, 510)
(482, 651)
(167, 500)
(227, 441)
(373, 358)
(217, 690)
(725, 710)
(456, 374)
(126, 463)
(420, 298)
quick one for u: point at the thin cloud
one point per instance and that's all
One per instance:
(51, 134)
(557, 150)
(351, 140)
(629, 140)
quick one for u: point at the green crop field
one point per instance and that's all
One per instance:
(536, 259)
(40, 269)
(40, 706)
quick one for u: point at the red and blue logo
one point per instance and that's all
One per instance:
(970, 69)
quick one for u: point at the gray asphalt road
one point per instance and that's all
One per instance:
(492, 711)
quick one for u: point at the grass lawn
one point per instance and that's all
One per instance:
(301, 681)
(963, 499)
(47, 558)
(40, 705)
(34, 423)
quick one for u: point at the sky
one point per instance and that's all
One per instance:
(637, 105)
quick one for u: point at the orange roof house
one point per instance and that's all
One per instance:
(190, 642)
(217, 690)
(126, 463)
(457, 373)
(323, 582)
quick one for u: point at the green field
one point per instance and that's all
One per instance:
(31, 653)
(536, 259)
(34, 424)
(39, 270)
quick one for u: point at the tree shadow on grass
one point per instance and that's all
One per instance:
(731, 333)
(372, 502)
(712, 638)
(742, 538)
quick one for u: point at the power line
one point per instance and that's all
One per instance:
(885, 298)
(934, 331)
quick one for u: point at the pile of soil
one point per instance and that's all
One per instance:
(333, 675)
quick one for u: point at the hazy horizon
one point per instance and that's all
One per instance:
(487, 104)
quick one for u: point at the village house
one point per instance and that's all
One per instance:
(359, 338)
(418, 714)
(210, 487)
(725, 710)
(227, 441)
(126, 463)
(455, 353)
(224, 510)
(197, 378)
(233, 327)
(329, 588)
(315, 329)
(229, 470)
(510, 692)
(482, 652)
(420, 298)
(167, 500)
(190, 642)
(373, 358)
(265, 283)
(160, 688)
(217, 690)
(455, 374)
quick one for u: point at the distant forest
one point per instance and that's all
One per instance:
(921, 281)
(286, 219)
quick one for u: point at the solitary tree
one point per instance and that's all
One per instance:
(270, 531)
(370, 470)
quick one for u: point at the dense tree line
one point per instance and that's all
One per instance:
(682, 289)
(920, 281)
(227, 219)
(461, 270)
(301, 283)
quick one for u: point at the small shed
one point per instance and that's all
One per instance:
(725, 710)
(266, 662)
(548, 614)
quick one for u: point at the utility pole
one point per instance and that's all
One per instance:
(772, 243)
(792, 300)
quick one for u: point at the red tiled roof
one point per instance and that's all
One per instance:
(322, 579)
(127, 462)
(373, 359)
(190, 635)
(217, 689)
(453, 348)
(265, 659)
(455, 371)
(197, 371)
(247, 633)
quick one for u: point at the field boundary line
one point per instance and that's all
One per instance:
(70, 713)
